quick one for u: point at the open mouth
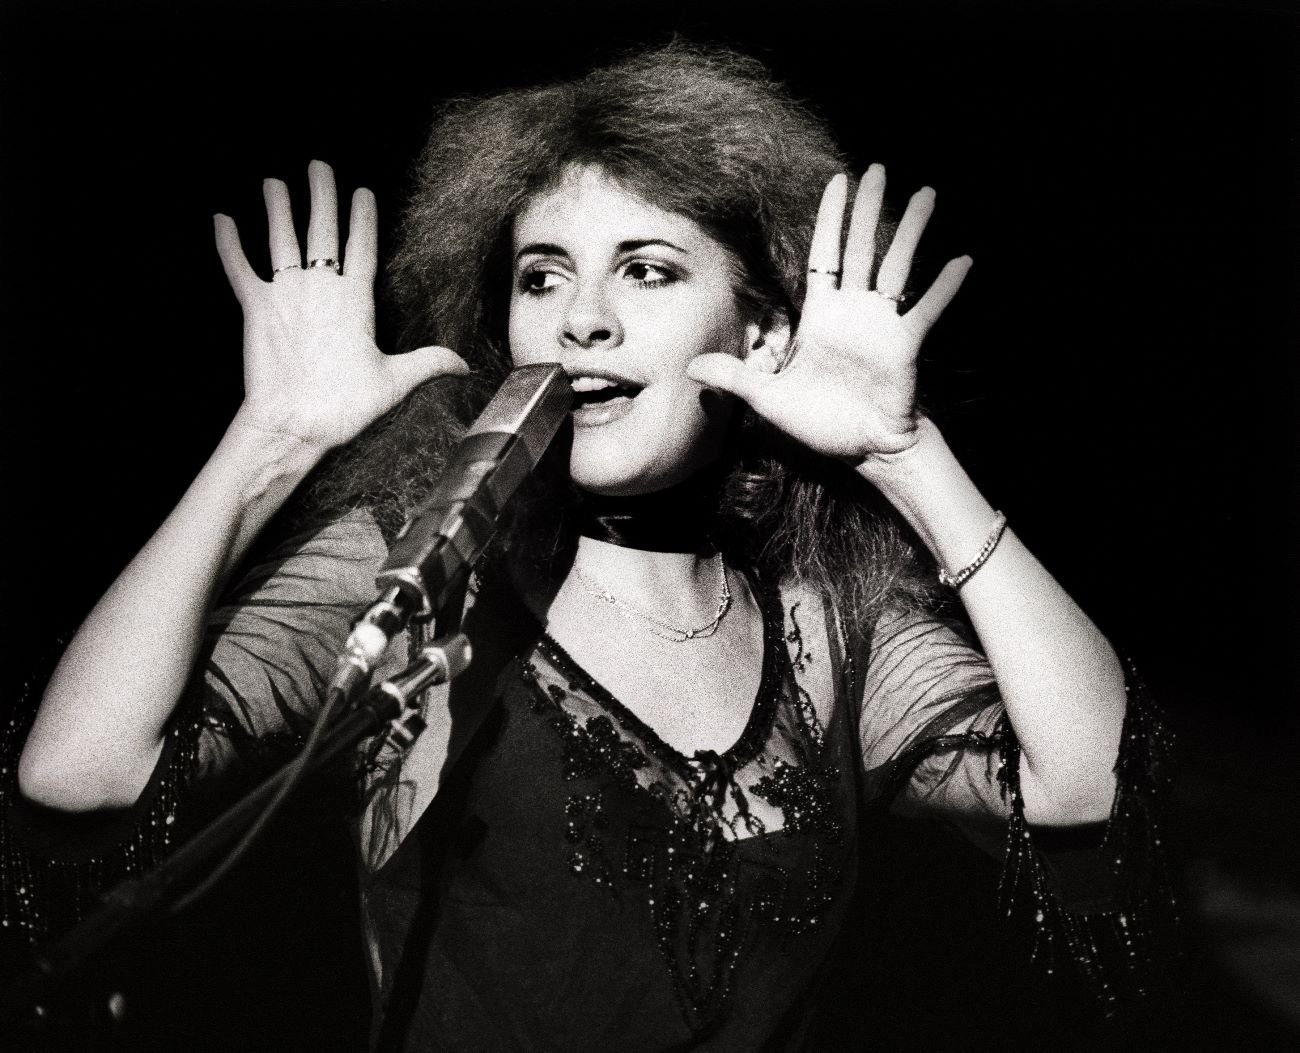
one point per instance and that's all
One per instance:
(597, 391)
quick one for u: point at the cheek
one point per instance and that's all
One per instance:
(516, 339)
(725, 331)
(527, 334)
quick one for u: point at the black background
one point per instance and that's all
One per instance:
(1118, 374)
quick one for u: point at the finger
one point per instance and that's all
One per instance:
(860, 246)
(361, 257)
(413, 368)
(243, 280)
(824, 255)
(323, 227)
(925, 312)
(285, 251)
(727, 373)
(897, 263)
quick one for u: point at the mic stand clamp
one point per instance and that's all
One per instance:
(439, 661)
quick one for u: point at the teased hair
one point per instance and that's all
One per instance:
(703, 133)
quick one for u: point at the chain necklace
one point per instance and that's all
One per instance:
(657, 626)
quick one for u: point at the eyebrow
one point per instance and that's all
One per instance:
(543, 248)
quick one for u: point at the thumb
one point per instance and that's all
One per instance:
(727, 373)
(412, 368)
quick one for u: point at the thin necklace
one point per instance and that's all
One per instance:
(657, 626)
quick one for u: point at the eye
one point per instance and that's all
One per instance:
(648, 275)
(537, 281)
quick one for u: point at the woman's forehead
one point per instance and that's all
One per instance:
(587, 205)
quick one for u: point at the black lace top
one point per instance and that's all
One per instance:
(576, 883)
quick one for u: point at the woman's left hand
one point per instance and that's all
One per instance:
(847, 387)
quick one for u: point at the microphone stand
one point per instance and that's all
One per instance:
(135, 901)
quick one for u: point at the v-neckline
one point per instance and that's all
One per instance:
(761, 712)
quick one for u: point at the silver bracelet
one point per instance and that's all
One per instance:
(962, 576)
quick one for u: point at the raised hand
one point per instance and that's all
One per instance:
(847, 386)
(312, 370)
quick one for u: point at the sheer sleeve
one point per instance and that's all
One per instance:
(928, 726)
(270, 648)
(935, 740)
(268, 653)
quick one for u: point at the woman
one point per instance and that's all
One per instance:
(702, 640)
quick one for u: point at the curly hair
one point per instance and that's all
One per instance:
(706, 134)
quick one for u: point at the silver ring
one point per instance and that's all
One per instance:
(884, 295)
(287, 267)
(326, 262)
(824, 270)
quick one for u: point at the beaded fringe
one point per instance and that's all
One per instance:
(1115, 950)
(40, 897)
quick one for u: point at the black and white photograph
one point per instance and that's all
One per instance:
(673, 527)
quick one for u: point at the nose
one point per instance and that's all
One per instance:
(590, 320)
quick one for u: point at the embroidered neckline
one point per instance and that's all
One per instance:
(706, 894)
(761, 715)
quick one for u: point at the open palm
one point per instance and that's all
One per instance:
(312, 371)
(847, 389)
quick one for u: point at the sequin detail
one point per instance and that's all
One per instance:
(804, 797)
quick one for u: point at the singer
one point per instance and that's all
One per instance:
(748, 602)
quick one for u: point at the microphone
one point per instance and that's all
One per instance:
(439, 545)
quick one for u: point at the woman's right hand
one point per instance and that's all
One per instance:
(312, 370)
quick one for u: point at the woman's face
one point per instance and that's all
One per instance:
(623, 294)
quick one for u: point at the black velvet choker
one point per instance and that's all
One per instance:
(679, 519)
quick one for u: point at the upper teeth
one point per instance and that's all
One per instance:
(592, 383)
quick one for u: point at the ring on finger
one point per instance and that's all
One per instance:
(899, 298)
(787, 356)
(824, 270)
(325, 261)
(286, 267)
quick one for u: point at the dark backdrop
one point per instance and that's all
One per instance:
(1118, 373)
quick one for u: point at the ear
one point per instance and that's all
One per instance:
(767, 342)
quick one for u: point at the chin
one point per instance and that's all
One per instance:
(609, 481)
(599, 472)
(616, 470)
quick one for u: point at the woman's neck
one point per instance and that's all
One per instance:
(679, 585)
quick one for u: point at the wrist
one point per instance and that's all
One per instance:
(928, 487)
(900, 475)
(267, 461)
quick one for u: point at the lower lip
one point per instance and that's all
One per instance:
(594, 414)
